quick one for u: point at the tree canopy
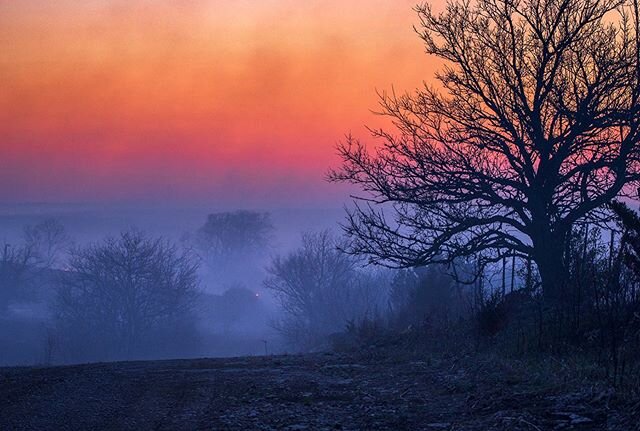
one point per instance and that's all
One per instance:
(532, 127)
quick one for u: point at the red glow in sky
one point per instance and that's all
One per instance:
(239, 102)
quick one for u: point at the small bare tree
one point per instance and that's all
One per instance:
(228, 234)
(320, 289)
(125, 291)
(231, 245)
(534, 127)
(48, 241)
(16, 263)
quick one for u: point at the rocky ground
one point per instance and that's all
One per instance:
(311, 392)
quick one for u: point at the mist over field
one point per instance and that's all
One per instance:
(234, 313)
(92, 221)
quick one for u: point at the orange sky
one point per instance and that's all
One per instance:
(235, 101)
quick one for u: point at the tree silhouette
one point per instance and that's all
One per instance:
(47, 241)
(128, 290)
(233, 246)
(533, 126)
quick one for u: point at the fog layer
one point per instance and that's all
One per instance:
(61, 273)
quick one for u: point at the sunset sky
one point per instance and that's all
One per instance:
(237, 101)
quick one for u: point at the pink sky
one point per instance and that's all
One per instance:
(193, 101)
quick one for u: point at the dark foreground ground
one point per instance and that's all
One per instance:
(313, 392)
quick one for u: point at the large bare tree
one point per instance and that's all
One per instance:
(532, 126)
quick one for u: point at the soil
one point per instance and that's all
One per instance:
(306, 392)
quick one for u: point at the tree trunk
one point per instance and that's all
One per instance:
(550, 260)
